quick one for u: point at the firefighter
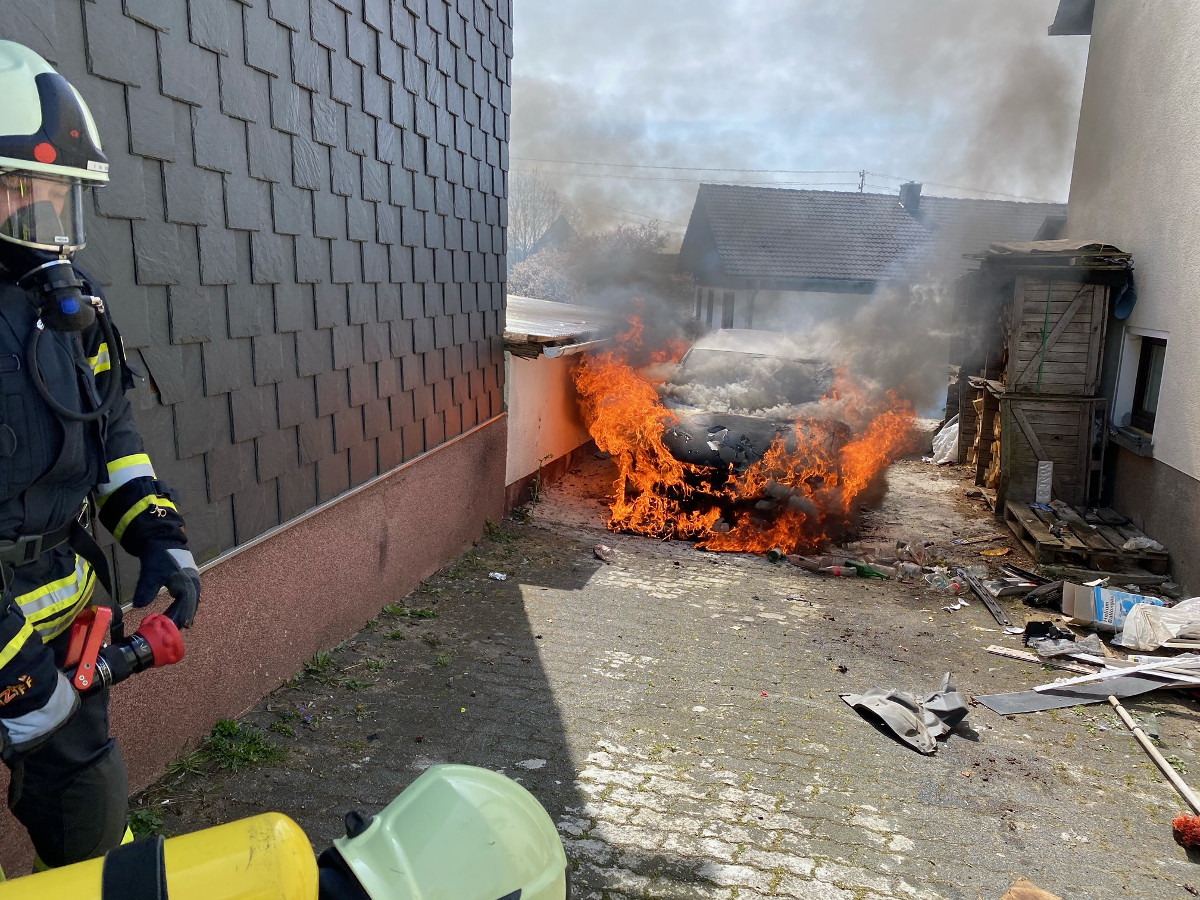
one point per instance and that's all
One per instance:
(66, 437)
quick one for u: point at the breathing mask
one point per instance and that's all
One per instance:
(41, 224)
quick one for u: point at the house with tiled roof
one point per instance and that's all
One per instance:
(767, 257)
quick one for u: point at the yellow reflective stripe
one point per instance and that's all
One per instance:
(139, 507)
(100, 362)
(13, 647)
(124, 470)
(61, 620)
(44, 601)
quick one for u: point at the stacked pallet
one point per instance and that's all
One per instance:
(983, 450)
(1059, 534)
(991, 477)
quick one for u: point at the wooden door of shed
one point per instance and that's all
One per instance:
(1056, 337)
(1059, 430)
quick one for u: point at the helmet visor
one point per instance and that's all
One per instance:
(42, 211)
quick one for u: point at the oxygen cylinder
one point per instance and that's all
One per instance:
(265, 857)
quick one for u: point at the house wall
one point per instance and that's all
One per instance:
(777, 310)
(1136, 184)
(303, 245)
(543, 413)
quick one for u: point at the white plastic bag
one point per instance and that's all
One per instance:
(945, 445)
(1148, 627)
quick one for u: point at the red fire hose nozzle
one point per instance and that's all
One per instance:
(157, 642)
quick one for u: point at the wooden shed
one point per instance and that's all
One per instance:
(1031, 325)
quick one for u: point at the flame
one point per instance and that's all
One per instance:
(797, 499)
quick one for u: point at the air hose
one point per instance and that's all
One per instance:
(113, 388)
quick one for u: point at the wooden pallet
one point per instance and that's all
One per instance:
(1061, 536)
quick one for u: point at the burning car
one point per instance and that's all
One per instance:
(749, 442)
(738, 391)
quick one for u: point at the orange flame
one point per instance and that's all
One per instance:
(795, 499)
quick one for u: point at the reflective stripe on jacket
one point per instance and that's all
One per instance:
(54, 466)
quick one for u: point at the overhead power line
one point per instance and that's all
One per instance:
(743, 171)
(578, 162)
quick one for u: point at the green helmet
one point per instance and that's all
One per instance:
(49, 151)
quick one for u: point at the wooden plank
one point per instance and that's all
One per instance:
(1026, 656)
(1066, 536)
(1085, 532)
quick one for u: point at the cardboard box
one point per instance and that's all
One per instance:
(1099, 607)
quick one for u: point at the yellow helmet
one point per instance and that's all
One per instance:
(49, 151)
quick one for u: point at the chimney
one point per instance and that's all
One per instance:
(910, 197)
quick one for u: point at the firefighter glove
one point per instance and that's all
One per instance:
(175, 570)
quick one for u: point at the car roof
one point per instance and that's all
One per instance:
(754, 340)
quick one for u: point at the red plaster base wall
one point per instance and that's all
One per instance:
(268, 609)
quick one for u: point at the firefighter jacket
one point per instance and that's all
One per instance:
(48, 468)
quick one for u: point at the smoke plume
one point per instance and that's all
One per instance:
(952, 92)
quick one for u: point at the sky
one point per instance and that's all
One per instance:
(611, 100)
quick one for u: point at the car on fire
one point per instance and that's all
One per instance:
(737, 390)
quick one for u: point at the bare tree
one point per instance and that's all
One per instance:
(533, 205)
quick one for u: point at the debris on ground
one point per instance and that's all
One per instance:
(497, 576)
(1118, 678)
(604, 553)
(1027, 890)
(918, 723)
(1149, 626)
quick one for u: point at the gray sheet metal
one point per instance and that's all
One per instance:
(918, 723)
(1020, 702)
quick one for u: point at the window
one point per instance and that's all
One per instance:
(708, 320)
(727, 309)
(699, 303)
(1149, 380)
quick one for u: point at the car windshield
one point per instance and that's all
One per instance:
(749, 381)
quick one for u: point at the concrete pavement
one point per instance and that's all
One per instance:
(678, 715)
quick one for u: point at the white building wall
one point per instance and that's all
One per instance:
(543, 413)
(1136, 184)
(784, 311)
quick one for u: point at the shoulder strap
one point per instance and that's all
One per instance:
(136, 871)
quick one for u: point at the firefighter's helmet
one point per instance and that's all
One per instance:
(49, 151)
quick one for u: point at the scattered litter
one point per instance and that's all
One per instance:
(1116, 682)
(1026, 656)
(918, 723)
(699, 709)
(843, 571)
(604, 553)
(804, 562)
(532, 763)
(1100, 607)
(957, 606)
(971, 576)
(1008, 586)
(1047, 596)
(1148, 627)
(996, 551)
(940, 580)
(1036, 632)
(945, 445)
(764, 693)
(497, 576)
(1142, 543)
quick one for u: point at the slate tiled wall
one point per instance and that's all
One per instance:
(303, 241)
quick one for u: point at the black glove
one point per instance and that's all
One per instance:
(175, 570)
